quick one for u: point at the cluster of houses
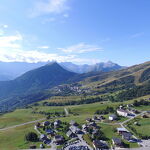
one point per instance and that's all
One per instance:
(125, 135)
(74, 131)
(50, 130)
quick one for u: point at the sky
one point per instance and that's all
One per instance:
(78, 31)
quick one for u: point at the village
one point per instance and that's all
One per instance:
(58, 134)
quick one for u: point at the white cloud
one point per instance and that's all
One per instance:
(11, 41)
(81, 48)
(49, 7)
(136, 35)
(34, 56)
(44, 47)
(5, 26)
(17, 55)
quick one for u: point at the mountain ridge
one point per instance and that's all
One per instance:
(12, 70)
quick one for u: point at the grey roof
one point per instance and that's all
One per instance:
(117, 140)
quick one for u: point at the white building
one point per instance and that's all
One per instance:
(112, 117)
(122, 112)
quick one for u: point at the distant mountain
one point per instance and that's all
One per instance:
(35, 80)
(54, 80)
(108, 66)
(12, 70)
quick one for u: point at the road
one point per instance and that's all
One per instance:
(143, 112)
(122, 123)
(30, 122)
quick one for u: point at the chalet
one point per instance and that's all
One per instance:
(112, 117)
(88, 120)
(57, 124)
(73, 123)
(47, 141)
(70, 134)
(95, 118)
(101, 117)
(37, 125)
(122, 130)
(92, 124)
(117, 142)
(94, 133)
(59, 139)
(75, 130)
(99, 145)
(84, 128)
(122, 112)
(127, 136)
(42, 146)
(50, 132)
(43, 137)
(46, 123)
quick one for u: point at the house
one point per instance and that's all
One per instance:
(95, 118)
(37, 125)
(117, 142)
(122, 112)
(70, 134)
(101, 117)
(47, 141)
(112, 117)
(94, 133)
(127, 136)
(84, 128)
(49, 131)
(75, 130)
(98, 145)
(122, 130)
(58, 139)
(92, 124)
(43, 137)
(57, 123)
(73, 123)
(46, 123)
(88, 120)
(42, 146)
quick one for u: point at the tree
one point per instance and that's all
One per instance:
(31, 137)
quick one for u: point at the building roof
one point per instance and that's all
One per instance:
(122, 130)
(49, 131)
(126, 135)
(69, 133)
(100, 144)
(113, 116)
(43, 136)
(117, 141)
(122, 110)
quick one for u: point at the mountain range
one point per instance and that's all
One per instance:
(12, 70)
(54, 80)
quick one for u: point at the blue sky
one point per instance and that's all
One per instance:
(80, 31)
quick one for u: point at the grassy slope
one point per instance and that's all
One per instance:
(14, 138)
(17, 117)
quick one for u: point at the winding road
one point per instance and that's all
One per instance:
(30, 122)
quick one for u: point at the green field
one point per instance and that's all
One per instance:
(142, 129)
(14, 138)
(17, 117)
